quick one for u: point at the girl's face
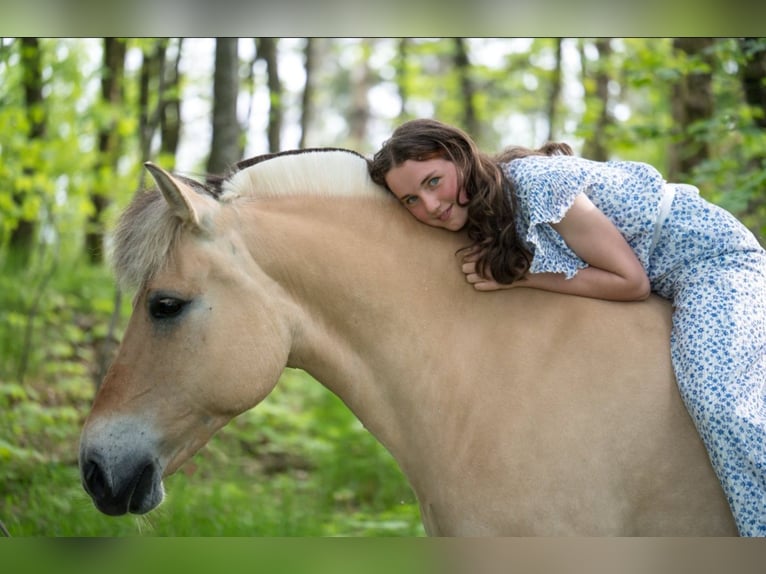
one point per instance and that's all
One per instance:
(429, 190)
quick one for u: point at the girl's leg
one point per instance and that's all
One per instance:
(718, 347)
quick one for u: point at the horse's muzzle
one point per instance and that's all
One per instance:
(134, 485)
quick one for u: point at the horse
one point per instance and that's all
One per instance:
(513, 413)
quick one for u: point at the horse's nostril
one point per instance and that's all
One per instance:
(142, 490)
(94, 480)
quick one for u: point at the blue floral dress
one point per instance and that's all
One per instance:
(713, 270)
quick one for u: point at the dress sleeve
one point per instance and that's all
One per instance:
(546, 188)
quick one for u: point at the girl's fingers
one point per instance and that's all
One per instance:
(472, 256)
(487, 286)
(482, 284)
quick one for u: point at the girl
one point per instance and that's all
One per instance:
(612, 230)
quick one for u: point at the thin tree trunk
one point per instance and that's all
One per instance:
(267, 48)
(170, 110)
(112, 95)
(595, 146)
(307, 100)
(753, 77)
(151, 84)
(692, 103)
(31, 59)
(361, 79)
(402, 80)
(23, 236)
(555, 93)
(225, 146)
(467, 89)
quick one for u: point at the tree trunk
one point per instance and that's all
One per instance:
(31, 60)
(170, 110)
(112, 95)
(754, 76)
(225, 146)
(359, 112)
(402, 81)
(151, 93)
(467, 89)
(267, 48)
(307, 100)
(23, 236)
(692, 103)
(595, 146)
(555, 93)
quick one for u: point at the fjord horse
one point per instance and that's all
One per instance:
(516, 412)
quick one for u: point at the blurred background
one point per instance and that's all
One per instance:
(79, 116)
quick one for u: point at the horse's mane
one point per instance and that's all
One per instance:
(147, 230)
(317, 171)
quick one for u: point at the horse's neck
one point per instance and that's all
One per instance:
(375, 288)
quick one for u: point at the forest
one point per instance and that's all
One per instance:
(80, 116)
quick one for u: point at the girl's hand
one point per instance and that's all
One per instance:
(479, 283)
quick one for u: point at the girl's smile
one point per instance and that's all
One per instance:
(429, 190)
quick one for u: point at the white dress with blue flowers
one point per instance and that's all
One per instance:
(713, 270)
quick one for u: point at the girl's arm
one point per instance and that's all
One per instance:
(614, 271)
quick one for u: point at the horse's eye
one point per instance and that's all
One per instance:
(165, 307)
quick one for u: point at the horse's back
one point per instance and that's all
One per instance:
(575, 415)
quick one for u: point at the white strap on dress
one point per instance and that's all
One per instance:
(668, 193)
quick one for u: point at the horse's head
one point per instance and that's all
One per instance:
(207, 340)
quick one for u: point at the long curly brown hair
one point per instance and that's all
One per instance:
(491, 198)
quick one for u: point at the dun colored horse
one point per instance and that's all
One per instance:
(516, 412)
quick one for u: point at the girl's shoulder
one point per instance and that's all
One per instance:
(542, 164)
(533, 172)
(574, 170)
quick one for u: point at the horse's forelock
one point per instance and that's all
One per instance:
(145, 234)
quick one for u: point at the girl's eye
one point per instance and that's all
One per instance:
(433, 182)
(410, 200)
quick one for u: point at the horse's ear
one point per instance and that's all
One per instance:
(184, 202)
